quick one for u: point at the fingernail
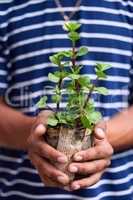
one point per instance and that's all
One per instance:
(78, 158)
(73, 169)
(40, 127)
(62, 159)
(61, 179)
(75, 187)
(100, 132)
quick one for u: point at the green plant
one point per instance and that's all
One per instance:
(80, 110)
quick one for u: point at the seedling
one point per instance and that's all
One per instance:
(71, 127)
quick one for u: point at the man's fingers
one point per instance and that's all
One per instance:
(94, 153)
(100, 149)
(46, 151)
(45, 168)
(37, 144)
(48, 182)
(88, 168)
(86, 182)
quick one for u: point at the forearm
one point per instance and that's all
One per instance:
(14, 127)
(120, 130)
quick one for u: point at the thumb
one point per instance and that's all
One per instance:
(99, 133)
(40, 129)
(100, 130)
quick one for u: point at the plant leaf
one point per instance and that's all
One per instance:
(82, 51)
(102, 90)
(94, 117)
(84, 81)
(101, 74)
(61, 117)
(102, 66)
(67, 54)
(54, 59)
(74, 36)
(71, 26)
(52, 121)
(74, 76)
(53, 77)
(71, 88)
(85, 121)
(64, 74)
(56, 98)
(81, 100)
(66, 64)
(42, 102)
(90, 107)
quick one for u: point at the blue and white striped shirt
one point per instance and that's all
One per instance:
(31, 31)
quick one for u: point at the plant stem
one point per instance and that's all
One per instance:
(59, 86)
(89, 95)
(73, 57)
(77, 85)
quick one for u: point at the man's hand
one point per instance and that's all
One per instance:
(92, 162)
(41, 155)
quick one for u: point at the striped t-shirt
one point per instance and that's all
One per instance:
(31, 31)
